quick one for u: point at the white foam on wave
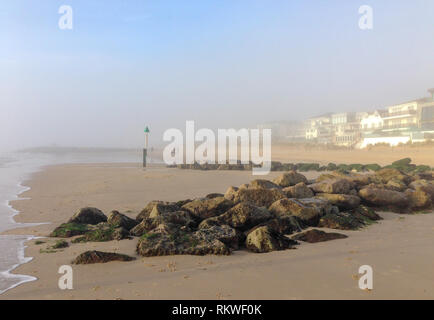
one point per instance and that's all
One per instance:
(17, 279)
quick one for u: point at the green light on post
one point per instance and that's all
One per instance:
(145, 150)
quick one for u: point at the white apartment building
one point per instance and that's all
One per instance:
(372, 121)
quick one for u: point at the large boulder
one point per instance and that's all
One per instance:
(293, 207)
(117, 219)
(289, 179)
(157, 243)
(90, 257)
(243, 216)
(286, 224)
(88, 216)
(314, 236)
(342, 201)
(340, 221)
(258, 197)
(423, 185)
(206, 208)
(68, 230)
(230, 193)
(264, 239)
(396, 185)
(299, 191)
(384, 198)
(339, 186)
(103, 232)
(357, 179)
(175, 220)
(322, 205)
(419, 199)
(160, 206)
(402, 162)
(121, 233)
(363, 212)
(387, 174)
(229, 236)
(429, 176)
(263, 184)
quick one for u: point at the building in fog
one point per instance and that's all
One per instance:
(412, 121)
(427, 114)
(372, 121)
(319, 129)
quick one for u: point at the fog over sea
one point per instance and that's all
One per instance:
(16, 167)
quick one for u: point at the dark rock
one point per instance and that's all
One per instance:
(172, 220)
(214, 195)
(258, 197)
(177, 243)
(342, 201)
(160, 206)
(90, 257)
(387, 174)
(60, 244)
(299, 191)
(67, 230)
(290, 179)
(88, 216)
(322, 205)
(396, 185)
(293, 207)
(103, 232)
(356, 180)
(264, 239)
(419, 199)
(402, 163)
(263, 184)
(425, 186)
(286, 224)
(340, 221)
(121, 234)
(243, 216)
(366, 212)
(231, 193)
(313, 236)
(381, 198)
(229, 236)
(339, 186)
(207, 208)
(117, 219)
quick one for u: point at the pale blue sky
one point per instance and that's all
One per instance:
(225, 63)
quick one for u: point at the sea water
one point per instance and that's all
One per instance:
(14, 169)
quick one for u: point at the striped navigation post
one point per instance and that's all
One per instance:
(145, 150)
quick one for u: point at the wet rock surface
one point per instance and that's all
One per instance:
(91, 257)
(88, 216)
(315, 235)
(264, 239)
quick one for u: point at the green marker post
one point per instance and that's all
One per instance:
(145, 150)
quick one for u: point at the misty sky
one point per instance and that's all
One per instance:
(222, 63)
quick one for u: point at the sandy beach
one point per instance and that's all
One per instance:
(399, 248)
